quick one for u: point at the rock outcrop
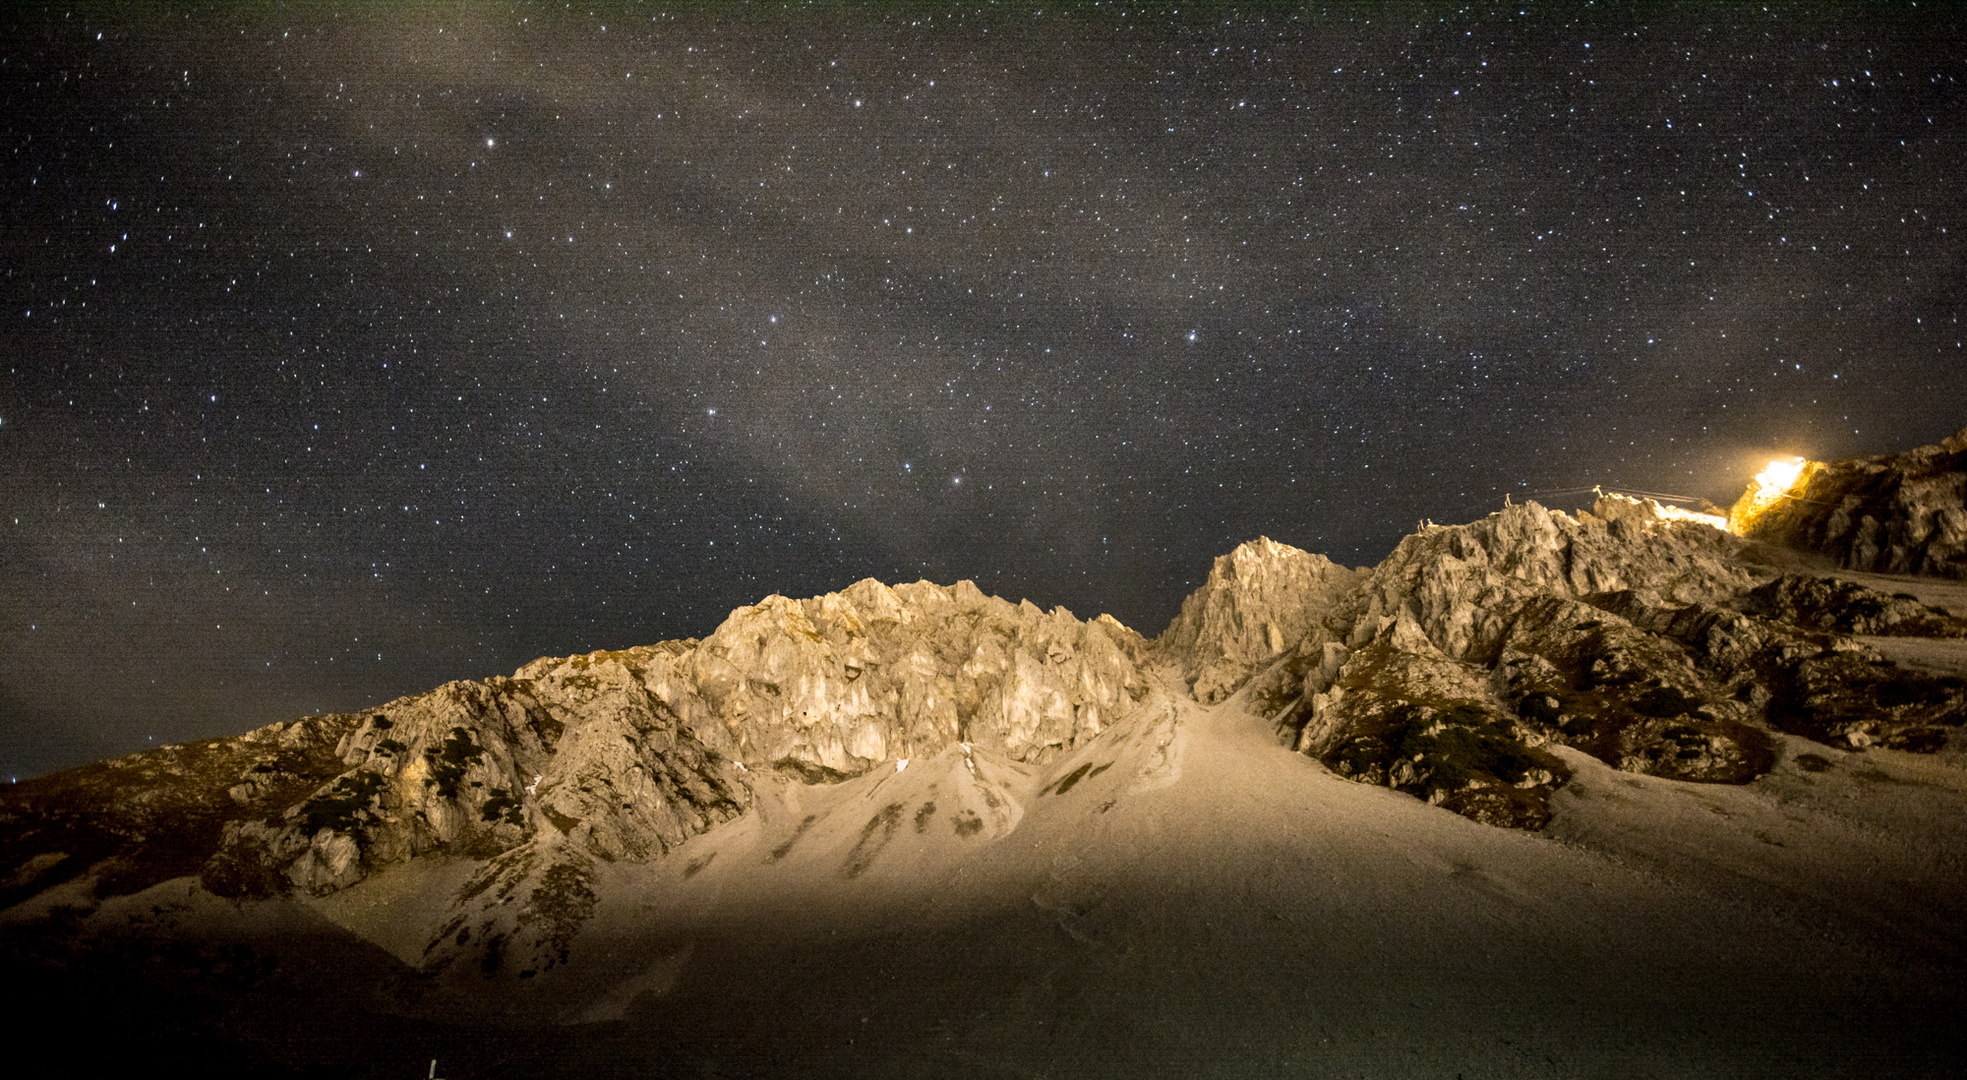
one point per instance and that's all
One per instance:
(1638, 636)
(601, 757)
(1893, 514)
(1842, 607)
(1259, 600)
(828, 687)
(125, 824)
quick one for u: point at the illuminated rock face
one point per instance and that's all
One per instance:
(1259, 599)
(1641, 639)
(1767, 490)
(609, 756)
(831, 686)
(1457, 660)
(1895, 514)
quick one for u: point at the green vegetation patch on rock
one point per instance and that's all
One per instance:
(502, 806)
(555, 911)
(449, 762)
(343, 806)
(809, 772)
(1850, 699)
(1464, 757)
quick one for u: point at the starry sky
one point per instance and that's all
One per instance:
(348, 350)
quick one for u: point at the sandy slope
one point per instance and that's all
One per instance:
(1197, 902)
(1209, 904)
(1943, 593)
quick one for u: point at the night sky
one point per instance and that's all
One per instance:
(347, 351)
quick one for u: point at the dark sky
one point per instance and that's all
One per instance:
(347, 351)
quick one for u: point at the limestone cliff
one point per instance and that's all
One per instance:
(1450, 671)
(1259, 600)
(605, 756)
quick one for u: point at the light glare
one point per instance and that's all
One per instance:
(1781, 473)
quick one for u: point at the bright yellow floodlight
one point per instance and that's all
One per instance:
(1781, 474)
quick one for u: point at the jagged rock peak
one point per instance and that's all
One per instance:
(604, 756)
(833, 685)
(1895, 513)
(1258, 601)
(1453, 581)
(1473, 647)
(1634, 633)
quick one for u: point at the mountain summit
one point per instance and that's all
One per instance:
(637, 843)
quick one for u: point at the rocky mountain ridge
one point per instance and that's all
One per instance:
(1257, 601)
(1451, 672)
(1653, 643)
(604, 756)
